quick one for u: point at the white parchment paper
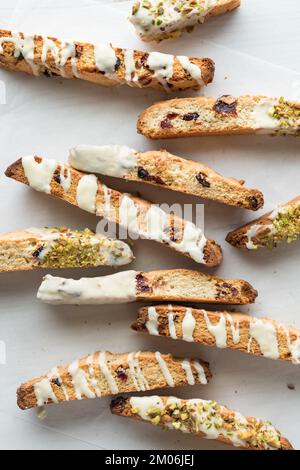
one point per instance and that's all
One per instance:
(48, 117)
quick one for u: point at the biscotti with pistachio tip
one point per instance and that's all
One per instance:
(103, 373)
(138, 217)
(162, 169)
(201, 116)
(177, 285)
(58, 248)
(102, 64)
(236, 331)
(155, 20)
(280, 225)
(204, 419)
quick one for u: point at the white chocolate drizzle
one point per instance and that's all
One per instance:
(218, 331)
(91, 361)
(235, 331)
(188, 326)
(65, 178)
(80, 382)
(144, 404)
(172, 328)
(39, 174)
(138, 378)
(162, 66)
(193, 69)
(106, 60)
(164, 369)
(113, 387)
(294, 346)
(86, 195)
(201, 372)
(152, 323)
(186, 365)
(114, 289)
(264, 333)
(44, 392)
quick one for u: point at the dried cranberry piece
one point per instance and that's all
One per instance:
(118, 63)
(121, 374)
(145, 175)
(226, 105)
(142, 284)
(254, 202)
(57, 178)
(202, 179)
(56, 382)
(190, 117)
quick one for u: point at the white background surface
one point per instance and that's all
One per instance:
(48, 117)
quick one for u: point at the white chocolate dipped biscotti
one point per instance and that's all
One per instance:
(280, 225)
(103, 373)
(162, 169)
(237, 331)
(53, 248)
(101, 63)
(201, 116)
(137, 216)
(204, 419)
(155, 20)
(178, 285)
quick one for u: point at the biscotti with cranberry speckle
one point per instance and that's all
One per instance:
(201, 116)
(102, 64)
(175, 285)
(164, 170)
(103, 373)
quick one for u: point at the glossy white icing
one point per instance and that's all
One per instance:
(116, 288)
(112, 385)
(186, 365)
(86, 194)
(80, 382)
(106, 60)
(162, 66)
(144, 404)
(218, 330)
(164, 369)
(188, 326)
(152, 323)
(39, 174)
(110, 160)
(265, 334)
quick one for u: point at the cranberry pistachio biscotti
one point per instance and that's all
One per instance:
(204, 419)
(54, 248)
(280, 225)
(178, 285)
(201, 116)
(101, 63)
(236, 331)
(103, 373)
(138, 217)
(155, 20)
(162, 169)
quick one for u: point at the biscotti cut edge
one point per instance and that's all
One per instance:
(87, 192)
(104, 374)
(237, 331)
(204, 419)
(102, 64)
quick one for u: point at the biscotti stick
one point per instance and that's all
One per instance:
(237, 331)
(178, 285)
(201, 116)
(162, 169)
(103, 373)
(60, 248)
(204, 419)
(101, 63)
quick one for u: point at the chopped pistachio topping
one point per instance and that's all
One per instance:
(212, 420)
(74, 248)
(288, 115)
(167, 19)
(284, 227)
